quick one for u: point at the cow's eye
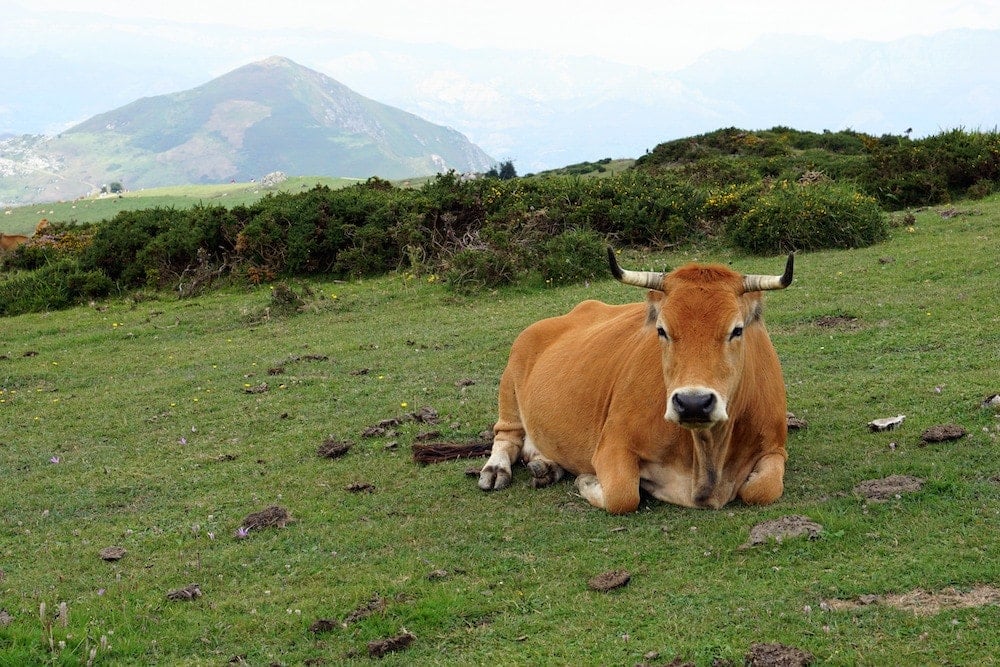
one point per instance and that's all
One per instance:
(662, 333)
(737, 332)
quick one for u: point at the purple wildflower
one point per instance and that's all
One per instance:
(55, 459)
(242, 533)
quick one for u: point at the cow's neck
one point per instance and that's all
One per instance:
(710, 449)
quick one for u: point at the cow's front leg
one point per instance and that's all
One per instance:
(615, 487)
(765, 483)
(497, 472)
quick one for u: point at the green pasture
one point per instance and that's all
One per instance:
(146, 424)
(23, 219)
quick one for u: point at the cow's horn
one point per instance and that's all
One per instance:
(753, 283)
(648, 279)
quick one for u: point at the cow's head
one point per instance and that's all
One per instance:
(702, 315)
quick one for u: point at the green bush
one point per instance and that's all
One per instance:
(54, 286)
(573, 256)
(902, 173)
(788, 216)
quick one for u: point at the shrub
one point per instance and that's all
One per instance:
(788, 216)
(52, 287)
(573, 256)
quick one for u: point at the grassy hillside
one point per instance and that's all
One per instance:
(23, 219)
(157, 425)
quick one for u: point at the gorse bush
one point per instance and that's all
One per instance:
(788, 216)
(768, 191)
(901, 172)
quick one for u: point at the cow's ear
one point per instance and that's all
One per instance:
(654, 300)
(752, 308)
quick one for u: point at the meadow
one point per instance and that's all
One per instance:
(23, 219)
(157, 425)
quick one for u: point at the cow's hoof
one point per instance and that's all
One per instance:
(493, 479)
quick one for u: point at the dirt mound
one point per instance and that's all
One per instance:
(943, 433)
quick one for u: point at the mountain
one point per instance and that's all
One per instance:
(272, 115)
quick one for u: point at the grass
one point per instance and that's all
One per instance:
(22, 219)
(162, 451)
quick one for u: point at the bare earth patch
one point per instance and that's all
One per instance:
(373, 606)
(795, 423)
(273, 516)
(608, 581)
(922, 602)
(893, 486)
(777, 655)
(844, 322)
(377, 649)
(112, 553)
(189, 592)
(781, 528)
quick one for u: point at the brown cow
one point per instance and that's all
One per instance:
(10, 241)
(681, 396)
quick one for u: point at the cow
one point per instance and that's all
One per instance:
(681, 396)
(10, 241)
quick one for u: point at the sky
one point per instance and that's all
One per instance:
(661, 34)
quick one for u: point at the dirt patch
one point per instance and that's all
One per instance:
(189, 592)
(608, 581)
(273, 516)
(843, 322)
(893, 486)
(777, 655)
(795, 423)
(360, 487)
(373, 606)
(112, 553)
(924, 603)
(943, 433)
(782, 528)
(333, 448)
(322, 625)
(379, 648)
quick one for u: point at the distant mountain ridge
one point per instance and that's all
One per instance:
(271, 115)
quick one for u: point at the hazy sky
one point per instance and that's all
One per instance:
(662, 34)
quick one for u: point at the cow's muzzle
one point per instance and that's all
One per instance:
(696, 407)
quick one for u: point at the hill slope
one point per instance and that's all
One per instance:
(267, 116)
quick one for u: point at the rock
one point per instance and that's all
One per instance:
(885, 423)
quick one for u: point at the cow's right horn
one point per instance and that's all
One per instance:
(648, 279)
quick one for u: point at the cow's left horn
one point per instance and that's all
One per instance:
(753, 283)
(648, 279)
